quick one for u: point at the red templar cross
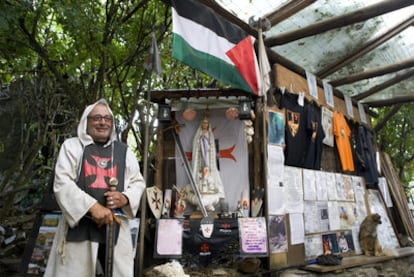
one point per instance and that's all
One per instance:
(223, 154)
(99, 172)
(204, 247)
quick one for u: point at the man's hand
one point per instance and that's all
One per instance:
(101, 215)
(115, 199)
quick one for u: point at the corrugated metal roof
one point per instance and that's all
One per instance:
(318, 52)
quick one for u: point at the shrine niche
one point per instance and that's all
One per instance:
(216, 161)
(203, 176)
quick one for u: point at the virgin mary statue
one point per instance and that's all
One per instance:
(205, 170)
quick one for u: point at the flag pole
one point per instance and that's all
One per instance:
(265, 84)
(144, 194)
(153, 66)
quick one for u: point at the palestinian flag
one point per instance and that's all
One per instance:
(206, 41)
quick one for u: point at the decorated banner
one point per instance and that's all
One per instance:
(223, 242)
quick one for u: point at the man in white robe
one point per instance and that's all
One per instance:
(79, 258)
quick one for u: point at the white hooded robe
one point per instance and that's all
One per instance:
(79, 259)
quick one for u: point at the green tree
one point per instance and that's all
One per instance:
(396, 139)
(57, 56)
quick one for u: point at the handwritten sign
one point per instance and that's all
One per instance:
(253, 236)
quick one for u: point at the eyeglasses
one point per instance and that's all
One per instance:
(98, 118)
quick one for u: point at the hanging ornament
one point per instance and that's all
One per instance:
(249, 129)
(232, 113)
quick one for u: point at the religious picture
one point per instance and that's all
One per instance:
(312, 85)
(362, 114)
(349, 106)
(342, 243)
(276, 128)
(345, 242)
(350, 240)
(277, 234)
(166, 208)
(330, 244)
(348, 188)
(347, 214)
(179, 204)
(327, 126)
(329, 98)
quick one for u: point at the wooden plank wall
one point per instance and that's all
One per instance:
(296, 83)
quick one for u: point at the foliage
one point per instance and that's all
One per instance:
(57, 56)
(396, 139)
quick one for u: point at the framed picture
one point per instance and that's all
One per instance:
(312, 85)
(329, 98)
(330, 243)
(40, 244)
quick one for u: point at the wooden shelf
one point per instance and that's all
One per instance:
(348, 262)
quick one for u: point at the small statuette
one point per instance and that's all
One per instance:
(113, 182)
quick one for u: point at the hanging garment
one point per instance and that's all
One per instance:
(295, 130)
(342, 134)
(366, 164)
(315, 136)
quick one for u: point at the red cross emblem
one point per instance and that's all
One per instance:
(99, 172)
(225, 226)
(204, 247)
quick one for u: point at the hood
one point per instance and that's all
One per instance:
(83, 136)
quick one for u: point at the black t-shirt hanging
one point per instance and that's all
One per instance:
(315, 136)
(366, 162)
(295, 130)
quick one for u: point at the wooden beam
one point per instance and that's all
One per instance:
(384, 85)
(339, 21)
(373, 72)
(160, 96)
(276, 58)
(367, 47)
(230, 17)
(389, 102)
(384, 120)
(287, 10)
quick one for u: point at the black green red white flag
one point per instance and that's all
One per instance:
(206, 41)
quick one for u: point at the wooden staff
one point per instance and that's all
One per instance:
(110, 237)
